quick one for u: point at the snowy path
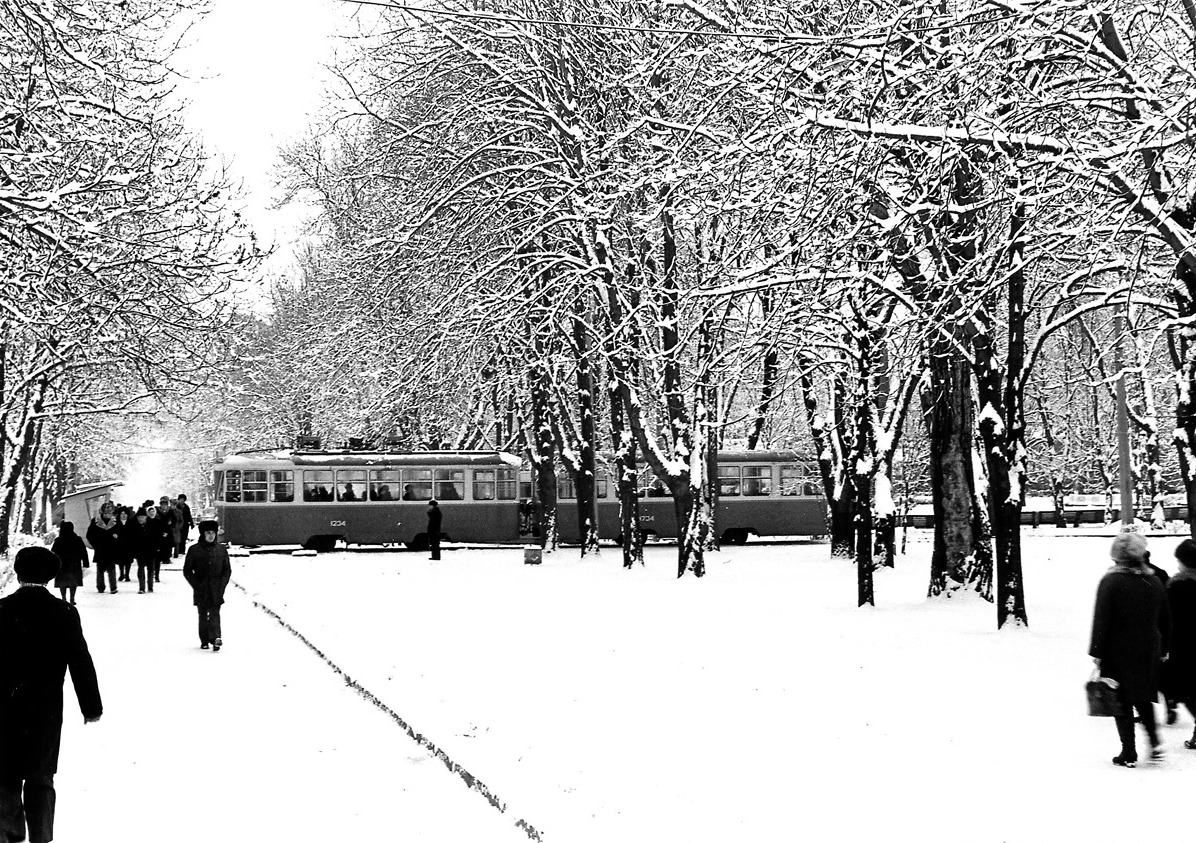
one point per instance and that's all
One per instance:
(260, 742)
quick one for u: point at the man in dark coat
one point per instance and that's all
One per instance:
(185, 524)
(1179, 672)
(40, 639)
(208, 571)
(434, 516)
(1127, 644)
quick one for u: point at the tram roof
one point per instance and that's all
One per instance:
(371, 458)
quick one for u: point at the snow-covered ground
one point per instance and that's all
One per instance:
(597, 704)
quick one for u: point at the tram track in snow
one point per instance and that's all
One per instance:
(457, 769)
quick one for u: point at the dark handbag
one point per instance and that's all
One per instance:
(1103, 700)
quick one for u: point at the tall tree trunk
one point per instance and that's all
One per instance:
(586, 479)
(951, 423)
(623, 442)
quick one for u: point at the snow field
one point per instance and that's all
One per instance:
(599, 704)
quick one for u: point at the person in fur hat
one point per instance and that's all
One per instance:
(1127, 643)
(1179, 671)
(41, 638)
(208, 571)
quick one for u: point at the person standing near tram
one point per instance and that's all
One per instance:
(434, 519)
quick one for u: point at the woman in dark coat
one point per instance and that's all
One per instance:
(40, 639)
(72, 553)
(103, 544)
(1127, 643)
(208, 571)
(1179, 671)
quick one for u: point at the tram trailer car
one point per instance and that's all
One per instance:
(316, 499)
(761, 493)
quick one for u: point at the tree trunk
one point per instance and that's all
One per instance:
(951, 423)
(586, 479)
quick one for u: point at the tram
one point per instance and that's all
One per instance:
(317, 498)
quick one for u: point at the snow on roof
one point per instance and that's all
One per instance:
(88, 488)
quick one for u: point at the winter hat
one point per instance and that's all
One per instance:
(66, 528)
(1185, 552)
(209, 524)
(1128, 548)
(141, 513)
(35, 565)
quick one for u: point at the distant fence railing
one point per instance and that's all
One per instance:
(1072, 517)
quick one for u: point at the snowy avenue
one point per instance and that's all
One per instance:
(603, 705)
(597, 421)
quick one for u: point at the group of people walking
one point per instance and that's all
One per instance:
(119, 536)
(41, 639)
(1144, 639)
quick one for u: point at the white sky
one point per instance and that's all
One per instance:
(257, 77)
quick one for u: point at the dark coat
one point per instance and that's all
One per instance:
(146, 538)
(124, 536)
(102, 541)
(208, 571)
(185, 517)
(40, 639)
(1131, 611)
(72, 553)
(434, 518)
(1179, 671)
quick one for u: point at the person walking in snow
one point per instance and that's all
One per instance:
(208, 571)
(101, 537)
(170, 519)
(40, 640)
(1179, 671)
(72, 556)
(434, 518)
(1127, 644)
(158, 535)
(145, 549)
(124, 536)
(185, 525)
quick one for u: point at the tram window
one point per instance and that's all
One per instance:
(601, 485)
(483, 484)
(417, 484)
(350, 485)
(450, 484)
(232, 486)
(728, 481)
(565, 488)
(218, 484)
(507, 484)
(317, 486)
(384, 484)
(757, 480)
(282, 486)
(526, 492)
(253, 486)
(793, 480)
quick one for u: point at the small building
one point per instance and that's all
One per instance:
(83, 504)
